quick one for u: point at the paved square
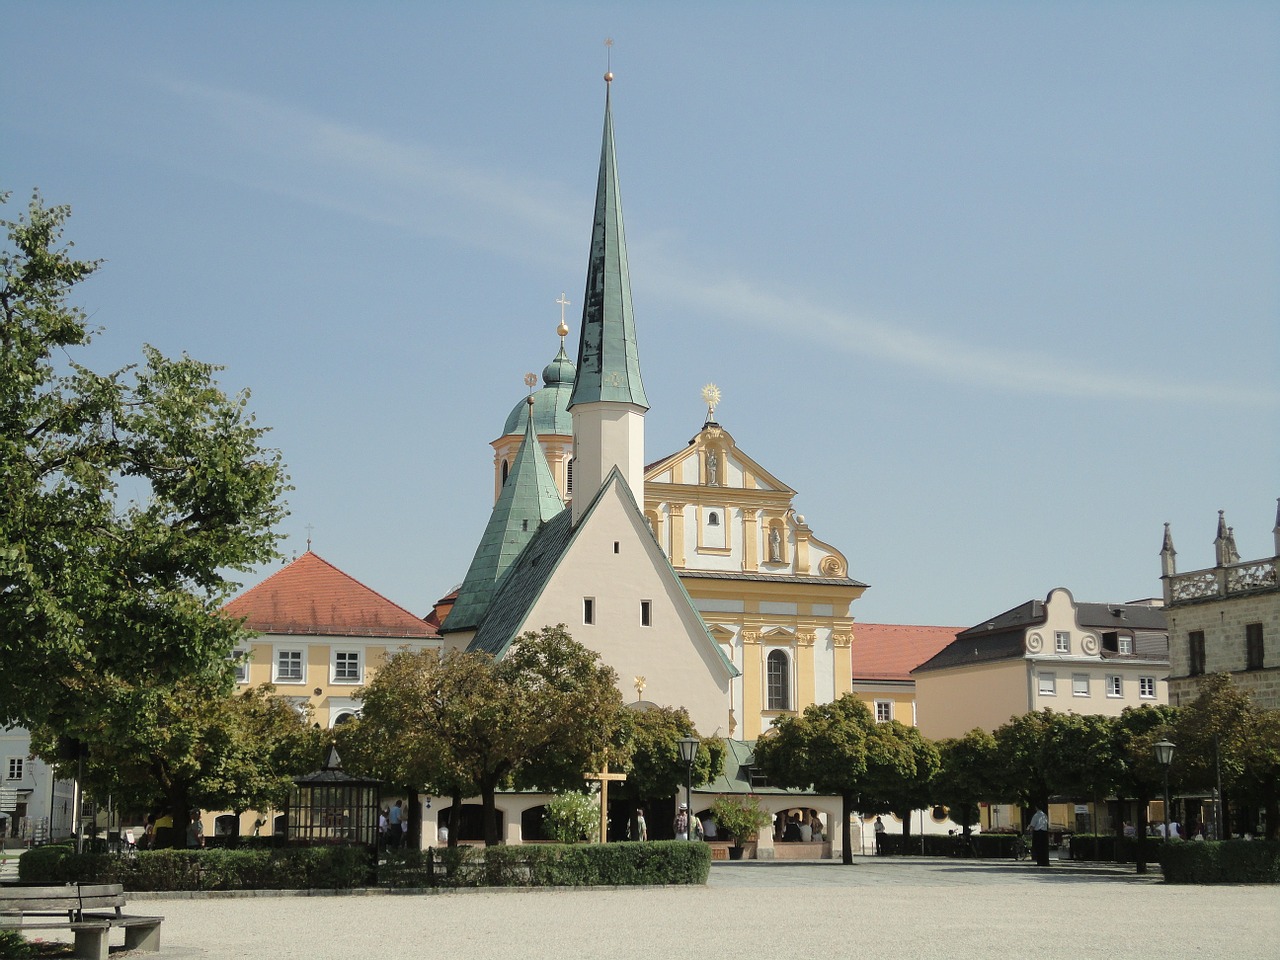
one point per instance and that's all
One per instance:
(888, 909)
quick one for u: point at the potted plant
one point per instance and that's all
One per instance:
(740, 818)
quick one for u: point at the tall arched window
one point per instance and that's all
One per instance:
(506, 468)
(778, 681)
(568, 483)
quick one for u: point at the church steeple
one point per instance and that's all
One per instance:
(608, 400)
(529, 498)
(608, 358)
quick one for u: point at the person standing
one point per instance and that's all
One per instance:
(395, 825)
(1039, 828)
(879, 837)
(681, 822)
(639, 829)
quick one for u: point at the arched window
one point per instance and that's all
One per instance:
(506, 468)
(778, 681)
(568, 478)
(713, 519)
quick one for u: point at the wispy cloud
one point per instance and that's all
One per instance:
(313, 159)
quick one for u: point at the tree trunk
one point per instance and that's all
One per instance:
(906, 833)
(412, 825)
(455, 818)
(490, 815)
(846, 834)
(1140, 831)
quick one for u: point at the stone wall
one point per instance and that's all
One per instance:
(1223, 621)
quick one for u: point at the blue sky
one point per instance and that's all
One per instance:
(994, 286)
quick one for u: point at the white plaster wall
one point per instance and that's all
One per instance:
(678, 660)
(606, 435)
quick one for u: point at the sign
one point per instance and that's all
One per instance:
(8, 798)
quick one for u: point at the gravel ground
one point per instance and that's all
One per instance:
(917, 910)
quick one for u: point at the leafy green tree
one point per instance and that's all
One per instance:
(901, 765)
(965, 776)
(1134, 736)
(825, 747)
(650, 739)
(1027, 770)
(125, 498)
(185, 746)
(466, 723)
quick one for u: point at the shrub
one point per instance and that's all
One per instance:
(1228, 861)
(740, 818)
(14, 946)
(293, 868)
(550, 865)
(573, 817)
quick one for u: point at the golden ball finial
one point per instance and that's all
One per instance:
(608, 77)
(563, 329)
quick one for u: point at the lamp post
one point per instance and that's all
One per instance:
(1164, 757)
(688, 750)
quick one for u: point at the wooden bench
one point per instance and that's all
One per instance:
(18, 904)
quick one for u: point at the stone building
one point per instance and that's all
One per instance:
(1224, 619)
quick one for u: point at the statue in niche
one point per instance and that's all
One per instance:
(713, 469)
(775, 545)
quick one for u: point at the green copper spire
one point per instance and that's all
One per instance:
(529, 498)
(608, 358)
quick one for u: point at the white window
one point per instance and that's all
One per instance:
(646, 613)
(241, 657)
(1147, 688)
(1062, 642)
(588, 609)
(1115, 687)
(1079, 684)
(1126, 645)
(288, 666)
(346, 666)
(15, 768)
(778, 681)
(1048, 684)
(884, 711)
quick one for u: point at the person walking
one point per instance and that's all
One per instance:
(1039, 829)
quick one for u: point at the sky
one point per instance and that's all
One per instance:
(993, 286)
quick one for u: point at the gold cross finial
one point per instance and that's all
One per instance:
(563, 329)
(530, 381)
(608, 68)
(309, 529)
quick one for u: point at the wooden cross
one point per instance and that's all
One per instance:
(604, 776)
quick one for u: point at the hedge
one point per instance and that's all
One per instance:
(550, 865)
(304, 868)
(345, 867)
(1112, 849)
(993, 846)
(1229, 861)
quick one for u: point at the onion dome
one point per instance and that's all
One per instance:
(550, 403)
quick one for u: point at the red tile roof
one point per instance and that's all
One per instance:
(890, 651)
(312, 596)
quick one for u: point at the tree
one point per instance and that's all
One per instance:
(650, 739)
(573, 817)
(901, 765)
(185, 746)
(124, 499)
(466, 723)
(1134, 735)
(824, 748)
(965, 775)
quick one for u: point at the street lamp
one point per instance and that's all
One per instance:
(1164, 757)
(688, 750)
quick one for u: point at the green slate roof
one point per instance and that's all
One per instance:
(532, 571)
(527, 501)
(608, 358)
(550, 404)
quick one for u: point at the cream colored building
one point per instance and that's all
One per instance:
(322, 635)
(1224, 619)
(1095, 658)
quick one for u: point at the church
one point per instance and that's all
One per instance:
(691, 575)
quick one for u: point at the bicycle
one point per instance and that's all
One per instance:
(1020, 849)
